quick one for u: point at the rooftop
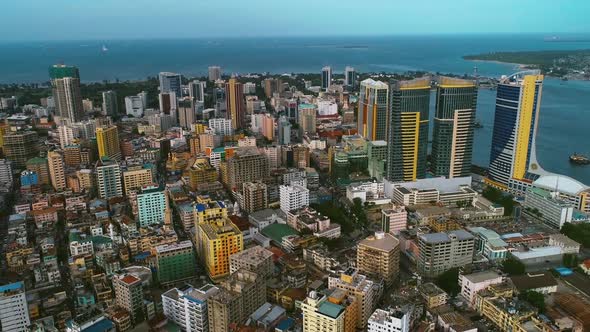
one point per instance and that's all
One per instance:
(481, 276)
(533, 281)
(330, 309)
(561, 183)
(253, 255)
(276, 232)
(381, 241)
(460, 234)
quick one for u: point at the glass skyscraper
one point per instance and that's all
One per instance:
(373, 114)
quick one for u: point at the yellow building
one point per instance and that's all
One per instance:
(218, 240)
(378, 255)
(201, 172)
(322, 315)
(136, 178)
(56, 170)
(86, 178)
(107, 139)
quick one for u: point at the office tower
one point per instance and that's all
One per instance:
(65, 82)
(152, 206)
(284, 131)
(408, 131)
(109, 103)
(255, 196)
(56, 170)
(349, 77)
(170, 82)
(108, 176)
(187, 307)
(239, 296)
(362, 288)
(129, 295)
(234, 94)
(268, 127)
(378, 256)
(391, 320)
(168, 103)
(518, 103)
(326, 77)
(196, 90)
(40, 166)
(439, 252)
(186, 113)
(221, 126)
(20, 146)
(5, 174)
(394, 220)
(247, 165)
(219, 239)
(454, 124)
(272, 86)
(136, 105)
(107, 140)
(321, 315)
(255, 259)
(307, 118)
(293, 197)
(373, 113)
(214, 73)
(175, 262)
(14, 311)
(136, 178)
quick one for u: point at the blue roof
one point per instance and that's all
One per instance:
(221, 204)
(100, 326)
(12, 287)
(285, 324)
(200, 207)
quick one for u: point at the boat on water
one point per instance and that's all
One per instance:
(579, 159)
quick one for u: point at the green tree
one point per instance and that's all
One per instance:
(449, 281)
(536, 299)
(513, 267)
(577, 232)
(570, 260)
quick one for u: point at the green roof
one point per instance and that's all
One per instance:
(276, 232)
(541, 192)
(330, 309)
(36, 161)
(101, 239)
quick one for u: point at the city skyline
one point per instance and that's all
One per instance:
(84, 20)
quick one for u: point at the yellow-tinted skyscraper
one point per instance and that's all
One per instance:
(373, 119)
(234, 94)
(56, 170)
(107, 139)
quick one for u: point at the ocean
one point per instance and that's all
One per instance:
(565, 110)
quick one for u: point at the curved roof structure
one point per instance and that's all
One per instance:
(560, 183)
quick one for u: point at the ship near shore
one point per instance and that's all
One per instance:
(579, 159)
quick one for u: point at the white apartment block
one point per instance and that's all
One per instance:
(389, 321)
(14, 311)
(221, 126)
(187, 307)
(293, 197)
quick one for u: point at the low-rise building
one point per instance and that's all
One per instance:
(255, 259)
(470, 284)
(389, 321)
(433, 296)
(542, 282)
(394, 220)
(548, 206)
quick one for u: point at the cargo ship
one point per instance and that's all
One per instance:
(579, 159)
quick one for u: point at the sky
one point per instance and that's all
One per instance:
(155, 19)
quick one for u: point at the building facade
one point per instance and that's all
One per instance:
(378, 255)
(439, 252)
(373, 113)
(107, 140)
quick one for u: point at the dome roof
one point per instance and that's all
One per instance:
(560, 183)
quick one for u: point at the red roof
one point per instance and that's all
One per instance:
(129, 279)
(587, 263)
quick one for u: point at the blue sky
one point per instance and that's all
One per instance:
(120, 19)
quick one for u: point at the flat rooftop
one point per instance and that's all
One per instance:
(383, 242)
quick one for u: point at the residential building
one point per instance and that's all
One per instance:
(391, 320)
(433, 296)
(548, 206)
(6, 174)
(362, 288)
(307, 118)
(219, 239)
(14, 310)
(321, 315)
(326, 78)
(284, 128)
(20, 146)
(136, 178)
(41, 167)
(65, 83)
(489, 243)
(108, 176)
(214, 73)
(196, 90)
(373, 114)
(293, 197)
(471, 284)
(394, 220)
(221, 126)
(170, 82)
(110, 107)
(240, 295)
(255, 196)
(79, 243)
(378, 255)
(272, 86)
(306, 218)
(201, 172)
(268, 127)
(247, 165)
(72, 155)
(234, 93)
(136, 105)
(255, 259)
(409, 128)
(67, 135)
(152, 206)
(439, 252)
(129, 295)
(56, 170)
(187, 307)
(107, 140)
(175, 262)
(186, 113)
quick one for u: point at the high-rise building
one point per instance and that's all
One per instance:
(14, 310)
(65, 82)
(201, 173)
(284, 131)
(378, 255)
(108, 176)
(255, 259)
(454, 125)
(326, 77)
(373, 113)
(518, 105)
(221, 126)
(214, 73)
(350, 77)
(175, 262)
(293, 197)
(110, 106)
(439, 252)
(239, 296)
(247, 165)
(41, 168)
(234, 94)
(255, 196)
(136, 178)
(272, 86)
(152, 206)
(129, 295)
(186, 113)
(187, 307)
(5, 174)
(268, 127)
(408, 131)
(394, 220)
(72, 155)
(168, 103)
(307, 118)
(196, 90)
(170, 82)
(321, 315)
(107, 140)
(57, 175)
(218, 240)
(136, 105)
(20, 146)
(366, 292)
(389, 321)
